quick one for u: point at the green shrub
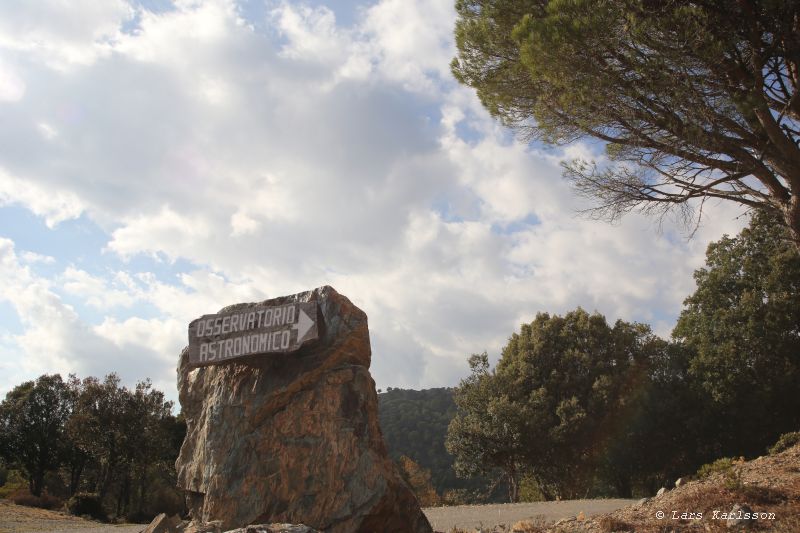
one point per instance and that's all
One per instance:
(786, 441)
(88, 504)
(725, 464)
(15, 483)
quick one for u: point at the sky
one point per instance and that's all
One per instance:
(162, 159)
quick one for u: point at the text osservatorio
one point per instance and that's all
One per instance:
(250, 331)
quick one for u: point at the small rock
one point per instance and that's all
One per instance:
(661, 491)
(565, 520)
(215, 526)
(736, 518)
(160, 524)
(680, 482)
(642, 501)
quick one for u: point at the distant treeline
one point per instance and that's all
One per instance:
(101, 447)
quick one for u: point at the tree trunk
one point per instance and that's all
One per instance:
(513, 484)
(791, 214)
(76, 470)
(623, 486)
(37, 482)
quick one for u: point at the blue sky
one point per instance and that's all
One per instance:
(161, 159)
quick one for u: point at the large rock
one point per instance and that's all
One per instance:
(294, 437)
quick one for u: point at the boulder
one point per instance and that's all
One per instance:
(293, 437)
(740, 517)
(661, 491)
(160, 524)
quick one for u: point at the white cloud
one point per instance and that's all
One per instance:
(413, 40)
(166, 230)
(309, 154)
(60, 33)
(99, 292)
(33, 257)
(12, 86)
(54, 206)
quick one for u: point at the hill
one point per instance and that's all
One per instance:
(414, 424)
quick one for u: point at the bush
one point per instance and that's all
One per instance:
(45, 501)
(725, 464)
(166, 500)
(14, 483)
(786, 441)
(87, 503)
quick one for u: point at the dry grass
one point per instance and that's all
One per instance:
(609, 524)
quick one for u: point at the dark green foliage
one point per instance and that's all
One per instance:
(32, 421)
(694, 100)
(485, 435)
(786, 441)
(555, 401)
(742, 325)
(14, 483)
(87, 504)
(721, 465)
(414, 423)
(95, 437)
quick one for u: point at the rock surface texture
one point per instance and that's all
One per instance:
(294, 437)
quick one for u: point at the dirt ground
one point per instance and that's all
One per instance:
(18, 519)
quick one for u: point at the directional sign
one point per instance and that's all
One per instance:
(219, 338)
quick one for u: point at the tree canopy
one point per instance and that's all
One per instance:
(694, 100)
(96, 436)
(554, 398)
(32, 420)
(742, 326)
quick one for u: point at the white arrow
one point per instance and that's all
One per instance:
(304, 324)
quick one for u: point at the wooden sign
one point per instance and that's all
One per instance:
(219, 338)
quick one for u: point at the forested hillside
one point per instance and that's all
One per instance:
(414, 424)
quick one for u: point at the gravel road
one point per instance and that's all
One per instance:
(474, 516)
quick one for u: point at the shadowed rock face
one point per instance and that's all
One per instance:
(294, 437)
